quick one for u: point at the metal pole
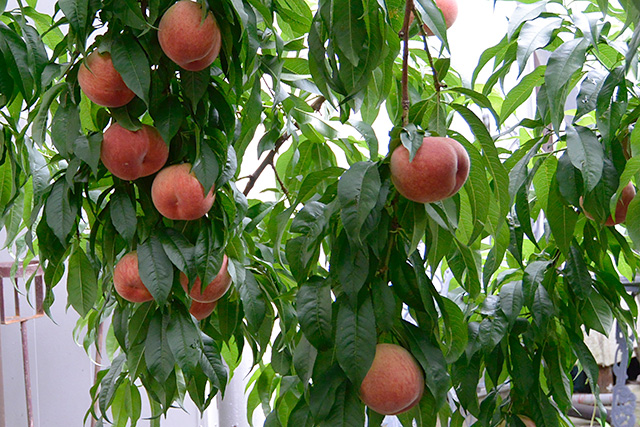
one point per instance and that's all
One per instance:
(27, 372)
(98, 361)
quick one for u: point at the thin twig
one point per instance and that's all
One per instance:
(436, 80)
(404, 35)
(284, 189)
(253, 178)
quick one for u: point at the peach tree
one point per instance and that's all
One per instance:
(493, 285)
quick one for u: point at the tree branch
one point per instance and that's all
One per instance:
(253, 178)
(284, 189)
(404, 35)
(436, 80)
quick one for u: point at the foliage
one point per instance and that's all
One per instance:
(332, 260)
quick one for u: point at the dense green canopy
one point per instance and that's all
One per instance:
(331, 260)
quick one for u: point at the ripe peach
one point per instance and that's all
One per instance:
(177, 193)
(628, 193)
(187, 39)
(438, 170)
(214, 290)
(449, 10)
(102, 83)
(131, 155)
(126, 279)
(202, 310)
(395, 381)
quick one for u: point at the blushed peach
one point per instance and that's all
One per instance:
(177, 193)
(127, 281)
(133, 154)
(438, 170)
(627, 195)
(214, 290)
(102, 84)
(394, 383)
(186, 38)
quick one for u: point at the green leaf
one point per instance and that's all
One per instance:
(356, 339)
(511, 300)
(412, 138)
(212, 363)
(369, 136)
(589, 364)
(39, 128)
(597, 314)
(562, 64)
(348, 29)
(562, 219)
(179, 250)
(77, 13)
(358, 191)
(351, 266)
(534, 35)
(123, 214)
(533, 277)
(313, 305)
(111, 381)
(157, 353)
(253, 301)
(206, 166)
(611, 104)
(184, 340)
(130, 60)
(632, 51)
(168, 116)
(17, 59)
(521, 92)
(430, 357)
(577, 273)
(65, 127)
(524, 13)
(542, 308)
(251, 118)
(194, 85)
(588, 95)
(456, 331)
(432, 16)
(519, 175)
(633, 221)
(586, 154)
(59, 213)
(156, 270)
(348, 410)
(87, 148)
(490, 152)
(480, 99)
(82, 282)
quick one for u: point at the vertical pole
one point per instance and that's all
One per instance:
(27, 372)
(98, 362)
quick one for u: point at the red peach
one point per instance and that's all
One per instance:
(130, 155)
(214, 290)
(127, 282)
(102, 83)
(187, 39)
(438, 170)
(177, 193)
(202, 310)
(394, 383)
(627, 195)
